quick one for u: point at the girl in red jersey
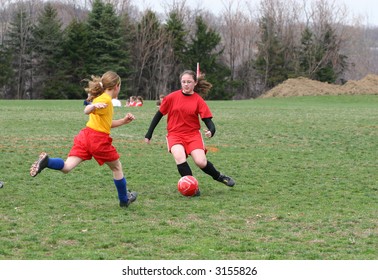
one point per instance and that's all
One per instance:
(184, 107)
(131, 101)
(139, 101)
(94, 140)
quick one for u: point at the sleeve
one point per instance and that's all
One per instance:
(204, 110)
(210, 125)
(156, 119)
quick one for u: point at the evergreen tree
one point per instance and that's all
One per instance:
(107, 50)
(175, 29)
(128, 33)
(75, 59)
(47, 49)
(5, 72)
(307, 53)
(204, 49)
(270, 60)
(326, 49)
(320, 59)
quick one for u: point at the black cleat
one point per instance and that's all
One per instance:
(198, 193)
(39, 164)
(228, 181)
(132, 196)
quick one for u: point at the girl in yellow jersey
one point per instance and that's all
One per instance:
(94, 140)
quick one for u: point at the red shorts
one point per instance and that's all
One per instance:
(91, 143)
(190, 142)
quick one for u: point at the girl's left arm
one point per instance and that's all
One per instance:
(211, 127)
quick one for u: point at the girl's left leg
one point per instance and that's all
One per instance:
(199, 158)
(44, 161)
(206, 166)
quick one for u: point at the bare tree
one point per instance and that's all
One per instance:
(239, 33)
(19, 41)
(327, 17)
(362, 52)
(150, 41)
(4, 18)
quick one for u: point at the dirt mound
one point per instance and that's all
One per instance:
(303, 86)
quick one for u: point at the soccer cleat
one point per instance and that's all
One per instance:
(228, 181)
(198, 193)
(132, 196)
(39, 164)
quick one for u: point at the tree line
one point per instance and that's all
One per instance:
(47, 49)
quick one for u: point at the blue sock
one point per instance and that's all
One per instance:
(121, 189)
(55, 163)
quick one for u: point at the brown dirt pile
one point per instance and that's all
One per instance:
(304, 86)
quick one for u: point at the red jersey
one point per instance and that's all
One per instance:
(184, 111)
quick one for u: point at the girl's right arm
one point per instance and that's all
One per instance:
(153, 124)
(91, 107)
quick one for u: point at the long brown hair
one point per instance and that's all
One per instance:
(203, 86)
(97, 85)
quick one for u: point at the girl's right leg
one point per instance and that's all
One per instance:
(178, 153)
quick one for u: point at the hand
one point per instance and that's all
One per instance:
(148, 141)
(207, 133)
(129, 118)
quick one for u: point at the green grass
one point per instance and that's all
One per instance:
(305, 167)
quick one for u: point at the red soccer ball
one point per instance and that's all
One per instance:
(188, 186)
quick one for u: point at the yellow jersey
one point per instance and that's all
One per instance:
(101, 119)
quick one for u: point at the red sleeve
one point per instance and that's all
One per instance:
(203, 109)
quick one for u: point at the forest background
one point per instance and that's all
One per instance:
(47, 48)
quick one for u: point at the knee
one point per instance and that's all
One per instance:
(66, 169)
(115, 167)
(201, 162)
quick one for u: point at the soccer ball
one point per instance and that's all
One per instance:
(188, 186)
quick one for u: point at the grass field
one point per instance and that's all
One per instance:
(305, 167)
